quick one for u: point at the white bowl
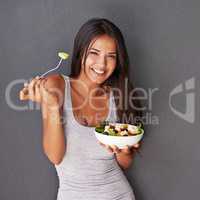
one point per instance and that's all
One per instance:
(119, 141)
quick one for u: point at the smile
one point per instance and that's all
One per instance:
(98, 71)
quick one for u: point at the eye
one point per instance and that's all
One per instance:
(112, 56)
(93, 52)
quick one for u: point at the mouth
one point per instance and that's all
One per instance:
(97, 71)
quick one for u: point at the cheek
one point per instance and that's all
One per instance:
(89, 61)
(112, 65)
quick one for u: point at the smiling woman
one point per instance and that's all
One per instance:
(99, 49)
(101, 58)
(100, 61)
(92, 93)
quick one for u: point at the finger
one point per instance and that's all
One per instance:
(37, 90)
(102, 144)
(42, 84)
(106, 146)
(109, 149)
(23, 94)
(25, 90)
(115, 149)
(136, 146)
(126, 150)
(25, 84)
(43, 90)
(31, 89)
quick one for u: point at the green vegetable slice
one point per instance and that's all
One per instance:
(140, 131)
(63, 55)
(99, 129)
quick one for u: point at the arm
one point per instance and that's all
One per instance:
(49, 93)
(53, 135)
(54, 143)
(123, 156)
(124, 160)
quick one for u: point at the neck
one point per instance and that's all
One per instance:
(84, 86)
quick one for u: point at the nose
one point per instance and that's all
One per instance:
(102, 62)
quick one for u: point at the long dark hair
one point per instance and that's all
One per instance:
(119, 78)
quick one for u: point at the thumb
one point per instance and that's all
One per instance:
(43, 89)
(137, 145)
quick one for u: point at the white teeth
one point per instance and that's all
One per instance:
(97, 71)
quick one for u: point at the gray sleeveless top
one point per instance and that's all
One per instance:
(88, 171)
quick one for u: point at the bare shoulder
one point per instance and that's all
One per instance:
(55, 81)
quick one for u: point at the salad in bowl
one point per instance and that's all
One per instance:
(119, 134)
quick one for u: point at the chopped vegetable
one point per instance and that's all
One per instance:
(118, 129)
(111, 132)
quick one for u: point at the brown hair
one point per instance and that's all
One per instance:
(119, 78)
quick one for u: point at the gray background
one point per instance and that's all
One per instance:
(163, 43)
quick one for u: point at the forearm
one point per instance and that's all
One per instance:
(54, 143)
(124, 160)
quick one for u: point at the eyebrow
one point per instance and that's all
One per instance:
(113, 52)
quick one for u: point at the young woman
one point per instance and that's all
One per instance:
(96, 90)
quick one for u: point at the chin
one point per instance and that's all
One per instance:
(97, 78)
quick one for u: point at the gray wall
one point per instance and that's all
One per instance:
(163, 43)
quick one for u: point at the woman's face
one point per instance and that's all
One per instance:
(101, 59)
